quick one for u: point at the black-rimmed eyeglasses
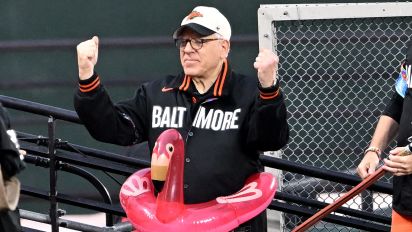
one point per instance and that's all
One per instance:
(196, 44)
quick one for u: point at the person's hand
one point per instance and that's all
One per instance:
(368, 164)
(398, 163)
(22, 153)
(87, 53)
(266, 65)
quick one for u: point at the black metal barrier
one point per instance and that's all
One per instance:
(56, 155)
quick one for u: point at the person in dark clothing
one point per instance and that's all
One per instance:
(226, 118)
(10, 164)
(396, 120)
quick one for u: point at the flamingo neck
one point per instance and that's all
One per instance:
(170, 201)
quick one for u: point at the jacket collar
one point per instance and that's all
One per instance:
(220, 87)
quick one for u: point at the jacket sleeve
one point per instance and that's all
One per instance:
(268, 126)
(394, 107)
(122, 123)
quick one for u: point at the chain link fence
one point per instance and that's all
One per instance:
(337, 75)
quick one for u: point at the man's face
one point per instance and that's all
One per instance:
(202, 62)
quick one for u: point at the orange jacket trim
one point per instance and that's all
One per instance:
(220, 81)
(267, 96)
(90, 87)
(186, 83)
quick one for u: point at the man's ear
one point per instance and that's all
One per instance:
(226, 48)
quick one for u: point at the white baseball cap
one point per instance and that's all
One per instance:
(205, 21)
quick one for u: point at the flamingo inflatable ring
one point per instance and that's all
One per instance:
(168, 212)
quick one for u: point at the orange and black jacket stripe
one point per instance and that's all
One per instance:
(89, 84)
(218, 85)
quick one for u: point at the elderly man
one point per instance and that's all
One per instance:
(226, 118)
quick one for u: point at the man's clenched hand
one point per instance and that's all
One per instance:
(87, 54)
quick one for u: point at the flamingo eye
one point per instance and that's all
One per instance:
(169, 148)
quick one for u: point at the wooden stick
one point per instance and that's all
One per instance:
(342, 200)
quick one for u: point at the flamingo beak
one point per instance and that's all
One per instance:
(159, 166)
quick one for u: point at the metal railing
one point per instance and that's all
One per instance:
(67, 157)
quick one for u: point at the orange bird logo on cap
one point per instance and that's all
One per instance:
(194, 14)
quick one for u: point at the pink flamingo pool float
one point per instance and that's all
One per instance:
(167, 212)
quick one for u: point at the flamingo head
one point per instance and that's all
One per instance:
(168, 144)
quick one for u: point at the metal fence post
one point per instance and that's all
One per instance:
(52, 175)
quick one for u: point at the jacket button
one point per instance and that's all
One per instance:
(185, 186)
(190, 133)
(187, 160)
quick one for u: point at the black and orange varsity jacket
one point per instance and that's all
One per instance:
(224, 129)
